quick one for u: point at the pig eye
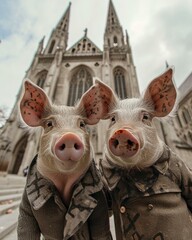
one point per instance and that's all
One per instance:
(113, 120)
(49, 124)
(146, 117)
(82, 124)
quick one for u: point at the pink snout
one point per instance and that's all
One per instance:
(69, 147)
(123, 144)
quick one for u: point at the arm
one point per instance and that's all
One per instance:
(27, 225)
(186, 184)
(182, 174)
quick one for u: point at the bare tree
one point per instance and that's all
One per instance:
(3, 115)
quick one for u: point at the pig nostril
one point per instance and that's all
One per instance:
(62, 147)
(76, 146)
(116, 143)
(130, 142)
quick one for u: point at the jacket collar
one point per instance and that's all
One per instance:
(142, 179)
(82, 204)
(38, 188)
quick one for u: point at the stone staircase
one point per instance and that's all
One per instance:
(11, 189)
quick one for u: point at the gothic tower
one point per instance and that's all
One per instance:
(65, 74)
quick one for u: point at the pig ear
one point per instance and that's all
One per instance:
(32, 104)
(96, 102)
(162, 94)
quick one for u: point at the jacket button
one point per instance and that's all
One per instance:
(150, 207)
(122, 209)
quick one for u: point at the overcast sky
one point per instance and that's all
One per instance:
(158, 30)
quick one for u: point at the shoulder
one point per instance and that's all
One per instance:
(177, 167)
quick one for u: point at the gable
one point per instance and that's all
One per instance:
(84, 47)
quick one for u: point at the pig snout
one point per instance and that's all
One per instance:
(123, 144)
(69, 147)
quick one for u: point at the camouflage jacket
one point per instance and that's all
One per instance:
(154, 203)
(43, 212)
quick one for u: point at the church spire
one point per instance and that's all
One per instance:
(59, 36)
(166, 64)
(63, 24)
(112, 19)
(40, 46)
(113, 32)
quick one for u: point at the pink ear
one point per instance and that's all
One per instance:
(162, 93)
(96, 102)
(33, 104)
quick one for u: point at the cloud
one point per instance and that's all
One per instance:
(21, 30)
(165, 36)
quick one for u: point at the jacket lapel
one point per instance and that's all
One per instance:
(81, 207)
(39, 189)
(82, 203)
(110, 173)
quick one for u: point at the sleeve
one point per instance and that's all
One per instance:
(183, 173)
(186, 184)
(27, 225)
(99, 220)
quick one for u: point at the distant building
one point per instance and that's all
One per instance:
(65, 73)
(177, 131)
(183, 121)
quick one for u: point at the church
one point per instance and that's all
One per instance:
(65, 73)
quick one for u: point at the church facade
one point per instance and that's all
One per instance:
(65, 73)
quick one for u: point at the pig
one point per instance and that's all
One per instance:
(150, 186)
(64, 196)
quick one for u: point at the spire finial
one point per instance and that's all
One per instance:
(85, 35)
(166, 64)
(42, 40)
(41, 45)
(127, 36)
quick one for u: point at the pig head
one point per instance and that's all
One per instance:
(132, 140)
(65, 146)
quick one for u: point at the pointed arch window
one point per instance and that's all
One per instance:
(179, 121)
(80, 83)
(119, 79)
(88, 47)
(51, 46)
(41, 78)
(115, 41)
(190, 136)
(112, 20)
(186, 116)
